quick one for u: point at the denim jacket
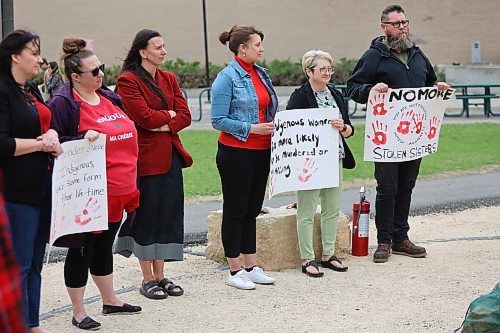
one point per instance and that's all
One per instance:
(234, 103)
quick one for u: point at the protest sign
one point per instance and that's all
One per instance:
(304, 151)
(404, 124)
(79, 189)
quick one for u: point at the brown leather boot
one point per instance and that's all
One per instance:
(407, 248)
(382, 253)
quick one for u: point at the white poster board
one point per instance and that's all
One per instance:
(304, 151)
(79, 189)
(404, 124)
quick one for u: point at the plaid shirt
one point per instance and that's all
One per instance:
(11, 310)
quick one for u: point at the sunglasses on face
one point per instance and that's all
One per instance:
(95, 71)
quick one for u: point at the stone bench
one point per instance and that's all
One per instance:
(277, 243)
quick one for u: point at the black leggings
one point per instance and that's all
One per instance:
(243, 174)
(96, 255)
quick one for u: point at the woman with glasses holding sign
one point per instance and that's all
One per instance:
(244, 104)
(318, 93)
(83, 109)
(26, 147)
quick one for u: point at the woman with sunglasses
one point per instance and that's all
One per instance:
(317, 93)
(26, 147)
(83, 109)
(154, 101)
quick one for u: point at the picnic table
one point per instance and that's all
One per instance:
(475, 94)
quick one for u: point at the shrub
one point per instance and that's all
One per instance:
(282, 72)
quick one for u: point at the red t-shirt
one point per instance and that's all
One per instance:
(121, 143)
(254, 141)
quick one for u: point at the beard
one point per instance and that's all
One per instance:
(400, 42)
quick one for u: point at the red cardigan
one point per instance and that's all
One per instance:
(144, 108)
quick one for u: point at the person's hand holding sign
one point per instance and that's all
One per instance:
(91, 135)
(262, 129)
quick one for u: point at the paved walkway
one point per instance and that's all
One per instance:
(430, 195)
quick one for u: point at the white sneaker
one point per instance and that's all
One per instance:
(257, 275)
(240, 280)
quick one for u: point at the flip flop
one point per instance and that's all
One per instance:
(315, 265)
(328, 264)
(149, 289)
(170, 289)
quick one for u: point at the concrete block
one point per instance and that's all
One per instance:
(277, 243)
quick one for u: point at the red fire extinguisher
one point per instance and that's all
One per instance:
(360, 225)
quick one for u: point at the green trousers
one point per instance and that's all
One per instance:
(308, 200)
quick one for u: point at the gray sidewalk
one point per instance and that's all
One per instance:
(429, 196)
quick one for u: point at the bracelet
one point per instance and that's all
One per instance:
(344, 128)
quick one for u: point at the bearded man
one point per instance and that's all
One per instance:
(393, 61)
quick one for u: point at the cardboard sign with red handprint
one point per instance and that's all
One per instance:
(404, 124)
(304, 151)
(79, 189)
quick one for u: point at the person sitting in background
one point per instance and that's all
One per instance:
(79, 107)
(317, 93)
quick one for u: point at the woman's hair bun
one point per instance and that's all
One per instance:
(73, 45)
(224, 37)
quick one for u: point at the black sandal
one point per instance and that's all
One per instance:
(315, 265)
(87, 324)
(150, 289)
(171, 286)
(328, 264)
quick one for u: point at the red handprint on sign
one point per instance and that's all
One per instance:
(272, 182)
(85, 213)
(307, 170)
(433, 124)
(378, 105)
(379, 130)
(417, 122)
(404, 123)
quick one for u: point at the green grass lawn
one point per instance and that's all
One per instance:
(461, 147)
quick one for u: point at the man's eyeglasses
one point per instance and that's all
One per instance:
(397, 24)
(95, 71)
(325, 70)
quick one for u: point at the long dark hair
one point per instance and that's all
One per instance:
(14, 43)
(133, 61)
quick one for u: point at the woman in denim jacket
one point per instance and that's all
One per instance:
(244, 104)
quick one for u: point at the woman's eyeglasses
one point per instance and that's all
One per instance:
(95, 71)
(325, 70)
